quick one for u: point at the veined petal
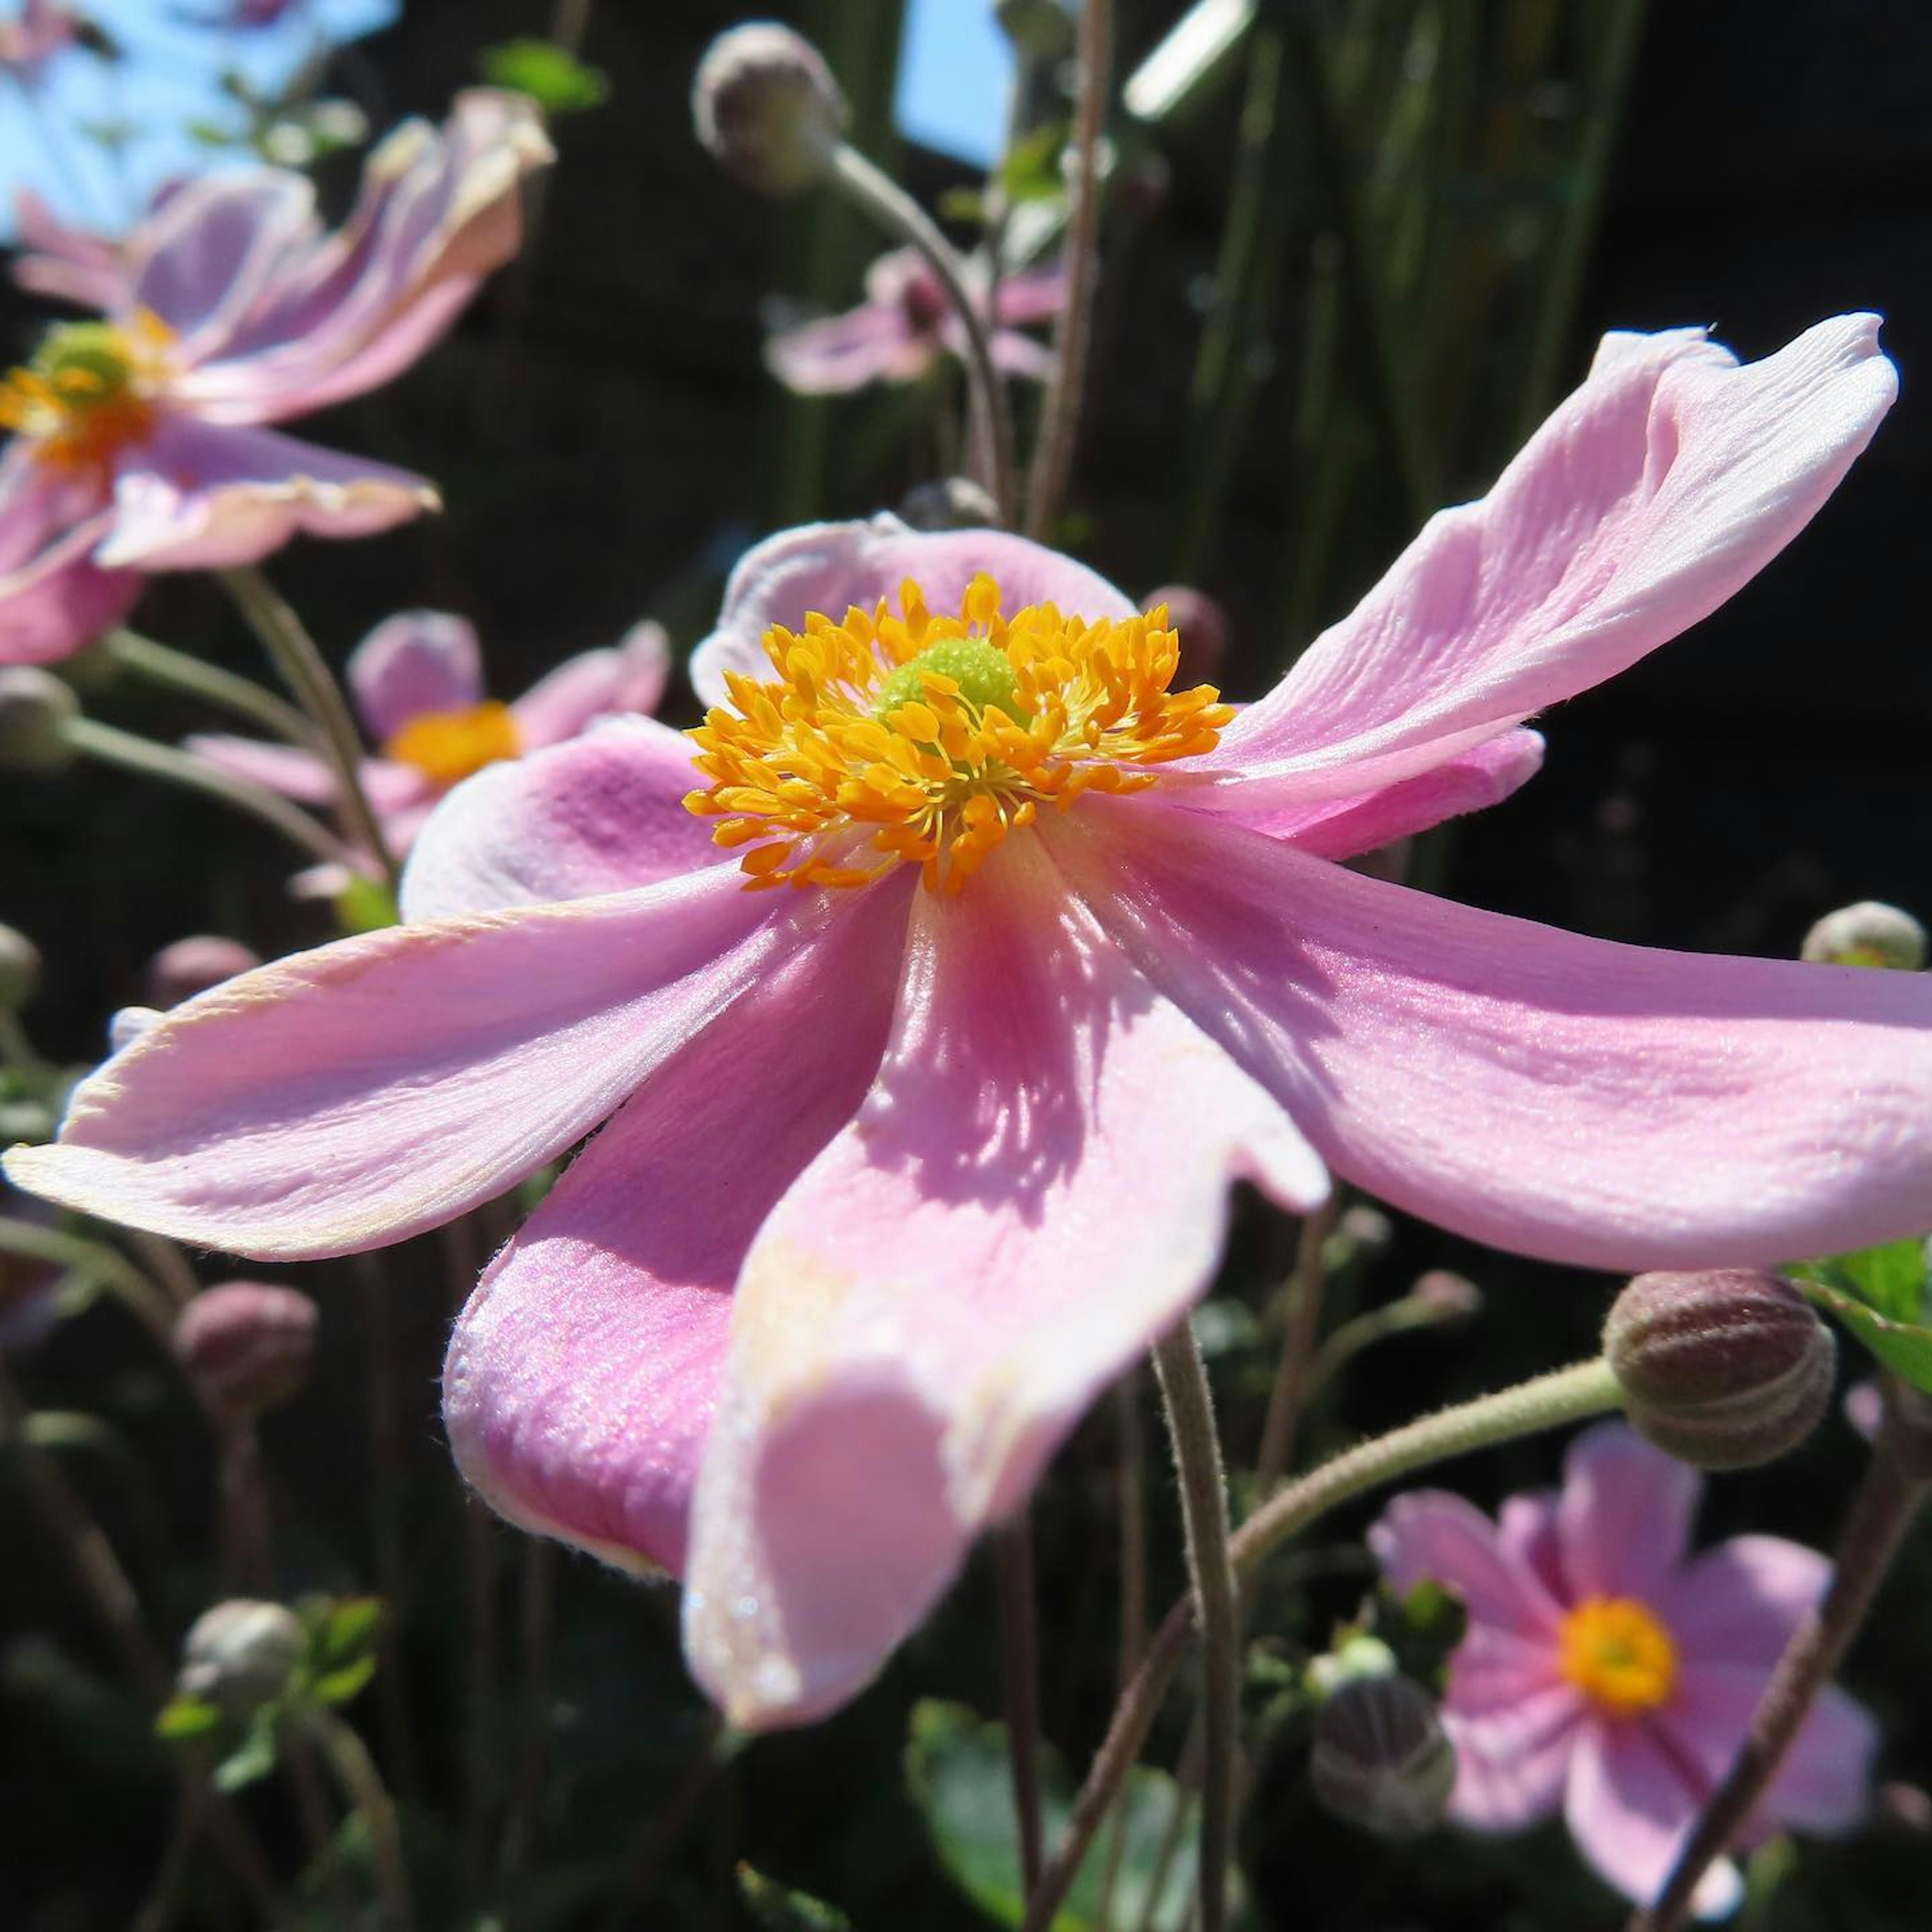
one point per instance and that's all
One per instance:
(1624, 1519)
(414, 662)
(601, 814)
(349, 1096)
(1655, 491)
(1034, 1190)
(1613, 1106)
(830, 567)
(1741, 1600)
(595, 684)
(1512, 1757)
(580, 1383)
(1431, 1534)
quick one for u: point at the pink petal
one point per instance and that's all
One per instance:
(1740, 1602)
(1665, 483)
(194, 497)
(1035, 1189)
(830, 567)
(601, 814)
(64, 262)
(1824, 1782)
(1020, 355)
(301, 775)
(346, 1097)
(1034, 295)
(415, 662)
(1630, 1806)
(597, 684)
(580, 1384)
(1513, 1756)
(1625, 1514)
(1608, 1105)
(838, 354)
(1526, 1529)
(1430, 1535)
(53, 600)
(1342, 828)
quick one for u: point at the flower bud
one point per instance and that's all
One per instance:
(950, 503)
(35, 708)
(1381, 1759)
(246, 1346)
(1202, 626)
(1447, 1297)
(766, 105)
(192, 965)
(20, 970)
(1724, 1369)
(240, 1655)
(1868, 934)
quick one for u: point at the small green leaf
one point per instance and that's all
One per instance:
(966, 207)
(364, 906)
(1904, 1347)
(348, 1630)
(337, 1687)
(254, 1757)
(780, 1908)
(186, 1718)
(554, 78)
(1891, 1278)
(1031, 170)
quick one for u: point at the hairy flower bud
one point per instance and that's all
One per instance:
(1202, 626)
(1868, 934)
(1724, 1368)
(35, 707)
(1381, 1759)
(246, 1346)
(192, 965)
(950, 503)
(766, 106)
(20, 970)
(239, 1655)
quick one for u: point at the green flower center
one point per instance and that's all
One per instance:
(982, 671)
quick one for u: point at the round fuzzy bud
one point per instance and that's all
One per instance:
(951, 503)
(239, 1655)
(765, 104)
(1202, 625)
(20, 970)
(35, 709)
(1381, 1759)
(192, 965)
(246, 1346)
(1868, 934)
(1725, 1369)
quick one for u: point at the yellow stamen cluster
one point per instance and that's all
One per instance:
(446, 746)
(1618, 1653)
(88, 391)
(900, 737)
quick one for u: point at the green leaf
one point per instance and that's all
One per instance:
(957, 1768)
(1031, 170)
(254, 1757)
(1891, 1278)
(554, 78)
(348, 1631)
(186, 1718)
(337, 1687)
(780, 1908)
(1904, 1347)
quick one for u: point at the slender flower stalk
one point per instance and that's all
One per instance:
(304, 670)
(362, 1785)
(537, 1639)
(1551, 1401)
(880, 199)
(1293, 1373)
(1053, 454)
(1020, 1671)
(1896, 1483)
(176, 671)
(1204, 1509)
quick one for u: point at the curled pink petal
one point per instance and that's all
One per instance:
(595, 684)
(1625, 1519)
(580, 1379)
(1033, 1190)
(416, 662)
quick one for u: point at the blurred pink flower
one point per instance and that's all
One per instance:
(905, 323)
(33, 37)
(896, 1179)
(240, 15)
(1608, 1675)
(139, 443)
(417, 683)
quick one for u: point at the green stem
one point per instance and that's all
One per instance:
(294, 654)
(1216, 1603)
(110, 746)
(876, 195)
(1060, 422)
(362, 1785)
(177, 670)
(1549, 1402)
(99, 1262)
(1297, 1347)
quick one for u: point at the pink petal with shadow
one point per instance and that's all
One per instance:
(1609, 1106)
(595, 684)
(580, 1380)
(1741, 1601)
(305, 776)
(1513, 1756)
(346, 1097)
(1429, 1535)
(1035, 1189)
(415, 663)
(1624, 1517)
(1526, 1528)
(1654, 492)
(54, 599)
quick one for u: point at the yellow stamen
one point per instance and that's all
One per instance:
(1618, 1653)
(447, 746)
(89, 390)
(884, 739)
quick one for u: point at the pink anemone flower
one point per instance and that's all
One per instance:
(907, 1161)
(141, 442)
(1608, 1675)
(417, 682)
(906, 323)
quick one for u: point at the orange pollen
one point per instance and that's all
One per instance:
(894, 738)
(1618, 1653)
(89, 390)
(446, 746)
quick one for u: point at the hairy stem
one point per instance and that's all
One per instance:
(1297, 1348)
(362, 1785)
(175, 671)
